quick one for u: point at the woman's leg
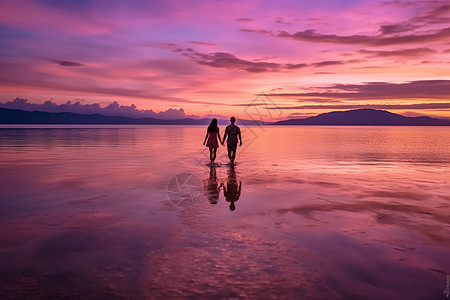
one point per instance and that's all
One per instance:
(211, 154)
(214, 155)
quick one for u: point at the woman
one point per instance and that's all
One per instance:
(211, 135)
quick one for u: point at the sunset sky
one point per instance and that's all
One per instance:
(276, 59)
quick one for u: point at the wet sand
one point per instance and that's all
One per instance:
(113, 214)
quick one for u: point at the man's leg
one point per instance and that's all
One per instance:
(232, 151)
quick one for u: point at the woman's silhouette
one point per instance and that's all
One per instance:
(212, 134)
(212, 186)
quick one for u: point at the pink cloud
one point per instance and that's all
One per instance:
(423, 89)
(202, 43)
(419, 106)
(112, 109)
(399, 53)
(375, 40)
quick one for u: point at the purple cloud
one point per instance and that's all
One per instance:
(425, 89)
(328, 63)
(396, 28)
(295, 66)
(229, 61)
(201, 43)
(433, 15)
(311, 35)
(244, 19)
(113, 109)
(257, 31)
(281, 20)
(65, 63)
(401, 53)
(374, 106)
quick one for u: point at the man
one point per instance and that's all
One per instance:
(232, 132)
(232, 191)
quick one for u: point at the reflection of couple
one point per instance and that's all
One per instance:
(232, 131)
(213, 186)
(231, 191)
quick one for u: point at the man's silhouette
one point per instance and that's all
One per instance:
(232, 190)
(232, 132)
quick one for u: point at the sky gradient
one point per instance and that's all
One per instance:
(252, 59)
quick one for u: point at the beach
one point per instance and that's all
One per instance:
(135, 212)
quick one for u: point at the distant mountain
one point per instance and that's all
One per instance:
(16, 116)
(365, 117)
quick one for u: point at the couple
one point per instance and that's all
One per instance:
(232, 131)
(231, 189)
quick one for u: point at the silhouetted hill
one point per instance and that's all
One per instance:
(16, 116)
(365, 117)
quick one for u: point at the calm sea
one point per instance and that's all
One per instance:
(307, 212)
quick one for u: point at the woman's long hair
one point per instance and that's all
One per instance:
(213, 126)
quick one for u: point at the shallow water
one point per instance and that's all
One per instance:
(133, 212)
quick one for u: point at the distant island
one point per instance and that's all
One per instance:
(365, 117)
(368, 117)
(17, 116)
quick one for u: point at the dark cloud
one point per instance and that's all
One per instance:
(444, 9)
(202, 43)
(65, 63)
(113, 109)
(295, 66)
(281, 20)
(432, 15)
(313, 100)
(374, 106)
(371, 67)
(257, 31)
(244, 19)
(377, 40)
(424, 89)
(328, 63)
(396, 28)
(231, 62)
(401, 53)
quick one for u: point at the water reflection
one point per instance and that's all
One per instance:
(356, 216)
(232, 190)
(447, 288)
(212, 186)
(231, 186)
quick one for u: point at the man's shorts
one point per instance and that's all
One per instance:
(231, 147)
